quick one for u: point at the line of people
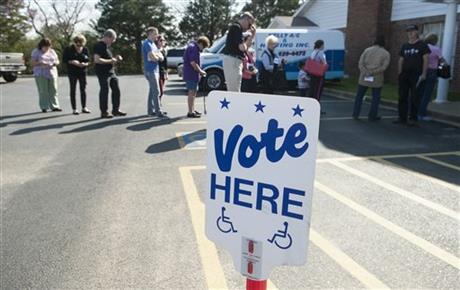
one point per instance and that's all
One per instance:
(45, 60)
(417, 76)
(417, 69)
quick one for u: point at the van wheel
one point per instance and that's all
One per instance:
(10, 77)
(214, 80)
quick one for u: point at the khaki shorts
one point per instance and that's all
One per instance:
(233, 73)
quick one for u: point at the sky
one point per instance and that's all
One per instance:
(177, 6)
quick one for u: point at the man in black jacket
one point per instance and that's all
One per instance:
(234, 50)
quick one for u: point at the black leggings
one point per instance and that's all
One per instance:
(73, 88)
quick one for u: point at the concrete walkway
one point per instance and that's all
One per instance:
(449, 111)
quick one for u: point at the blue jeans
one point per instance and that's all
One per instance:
(153, 101)
(426, 90)
(374, 104)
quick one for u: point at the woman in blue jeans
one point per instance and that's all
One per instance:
(426, 87)
(372, 64)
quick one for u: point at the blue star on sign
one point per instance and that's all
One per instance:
(224, 103)
(298, 111)
(259, 107)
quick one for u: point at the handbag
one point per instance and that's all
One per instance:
(443, 70)
(315, 68)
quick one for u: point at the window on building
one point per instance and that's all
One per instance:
(436, 28)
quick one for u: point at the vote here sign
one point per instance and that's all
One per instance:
(260, 170)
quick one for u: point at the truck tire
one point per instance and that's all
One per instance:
(10, 77)
(214, 80)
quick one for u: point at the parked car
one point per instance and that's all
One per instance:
(295, 45)
(175, 59)
(11, 63)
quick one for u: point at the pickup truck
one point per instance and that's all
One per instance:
(11, 63)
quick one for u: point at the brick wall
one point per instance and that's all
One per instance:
(366, 19)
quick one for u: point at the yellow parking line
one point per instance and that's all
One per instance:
(189, 122)
(445, 164)
(419, 175)
(403, 233)
(409, 195)
(215, 277)
(347, 263)
(213, 271)
(212, 268)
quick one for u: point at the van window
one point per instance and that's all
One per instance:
(176, 52)
(217, 45)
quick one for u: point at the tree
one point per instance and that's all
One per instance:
(13, 23)
(206, 17)
(265, 10)
(57, 22)
(130, 19)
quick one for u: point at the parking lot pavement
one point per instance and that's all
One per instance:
(90, 203)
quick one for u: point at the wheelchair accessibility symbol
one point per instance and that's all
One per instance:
(224, 224)
(281, 238)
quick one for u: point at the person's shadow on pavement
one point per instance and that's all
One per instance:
(174, 143)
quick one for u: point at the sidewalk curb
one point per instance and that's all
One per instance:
(392, 104)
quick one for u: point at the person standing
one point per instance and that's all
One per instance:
(412, 69)
(105, 72)
(152, 56)
(249, 80)
(303, 80)
(44, 61)
(317, 82)
(193, 71)
(76, 56)
(269, 66)
(426, 87)
(234, 50)
(372, 64)
(163, 65)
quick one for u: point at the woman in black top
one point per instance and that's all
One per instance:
(76, 56)
(162, 65)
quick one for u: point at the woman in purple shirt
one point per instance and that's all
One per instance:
(427, 86)
(44, 61)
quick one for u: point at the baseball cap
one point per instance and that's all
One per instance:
(411, 27)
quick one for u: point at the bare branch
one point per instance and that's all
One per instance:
(32, 14)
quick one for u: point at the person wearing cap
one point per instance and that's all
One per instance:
(234, 50)
(412, 70)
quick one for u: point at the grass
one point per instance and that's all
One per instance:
(389, 90)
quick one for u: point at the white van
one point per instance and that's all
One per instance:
(295, 45)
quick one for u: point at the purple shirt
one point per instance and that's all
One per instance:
(49, 57)
(192, 53)
(434, 56)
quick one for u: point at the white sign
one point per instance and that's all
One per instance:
(261, 168)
